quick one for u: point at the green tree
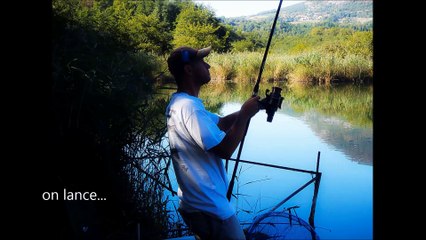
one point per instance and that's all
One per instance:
(197, 27)
(149, 33)
(127, 22)
(243, 45)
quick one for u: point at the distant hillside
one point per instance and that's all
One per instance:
(336, 12)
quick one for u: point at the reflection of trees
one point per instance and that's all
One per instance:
(355, 142)
(353, 136)
(352, 103)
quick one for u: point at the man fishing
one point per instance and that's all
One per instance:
(199, 140)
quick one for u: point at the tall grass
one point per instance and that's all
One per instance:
(314, 66)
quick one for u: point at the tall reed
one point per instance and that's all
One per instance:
(313, 66)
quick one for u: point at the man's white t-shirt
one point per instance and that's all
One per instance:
(201, 176)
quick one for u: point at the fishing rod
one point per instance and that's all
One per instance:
(270, 103)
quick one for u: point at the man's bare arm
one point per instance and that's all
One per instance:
(236, 132)
(225, 123)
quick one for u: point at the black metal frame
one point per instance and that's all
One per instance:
(316, 180)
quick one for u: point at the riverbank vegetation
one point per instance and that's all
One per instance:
(107, 125)
(314, 66)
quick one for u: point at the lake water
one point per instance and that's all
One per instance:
(293, 139)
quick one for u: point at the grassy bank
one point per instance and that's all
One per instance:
(314, 66)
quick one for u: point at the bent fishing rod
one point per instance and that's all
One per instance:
(270, 103)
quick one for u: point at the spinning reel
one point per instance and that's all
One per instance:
(271, 102)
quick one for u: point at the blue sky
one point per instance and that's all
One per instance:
(244, 8)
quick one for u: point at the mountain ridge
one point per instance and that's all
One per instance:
(355, 12)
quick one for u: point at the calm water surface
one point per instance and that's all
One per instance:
(293, 139)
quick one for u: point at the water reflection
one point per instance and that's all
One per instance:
(354, 141)
(341, 116)
(344, 205)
